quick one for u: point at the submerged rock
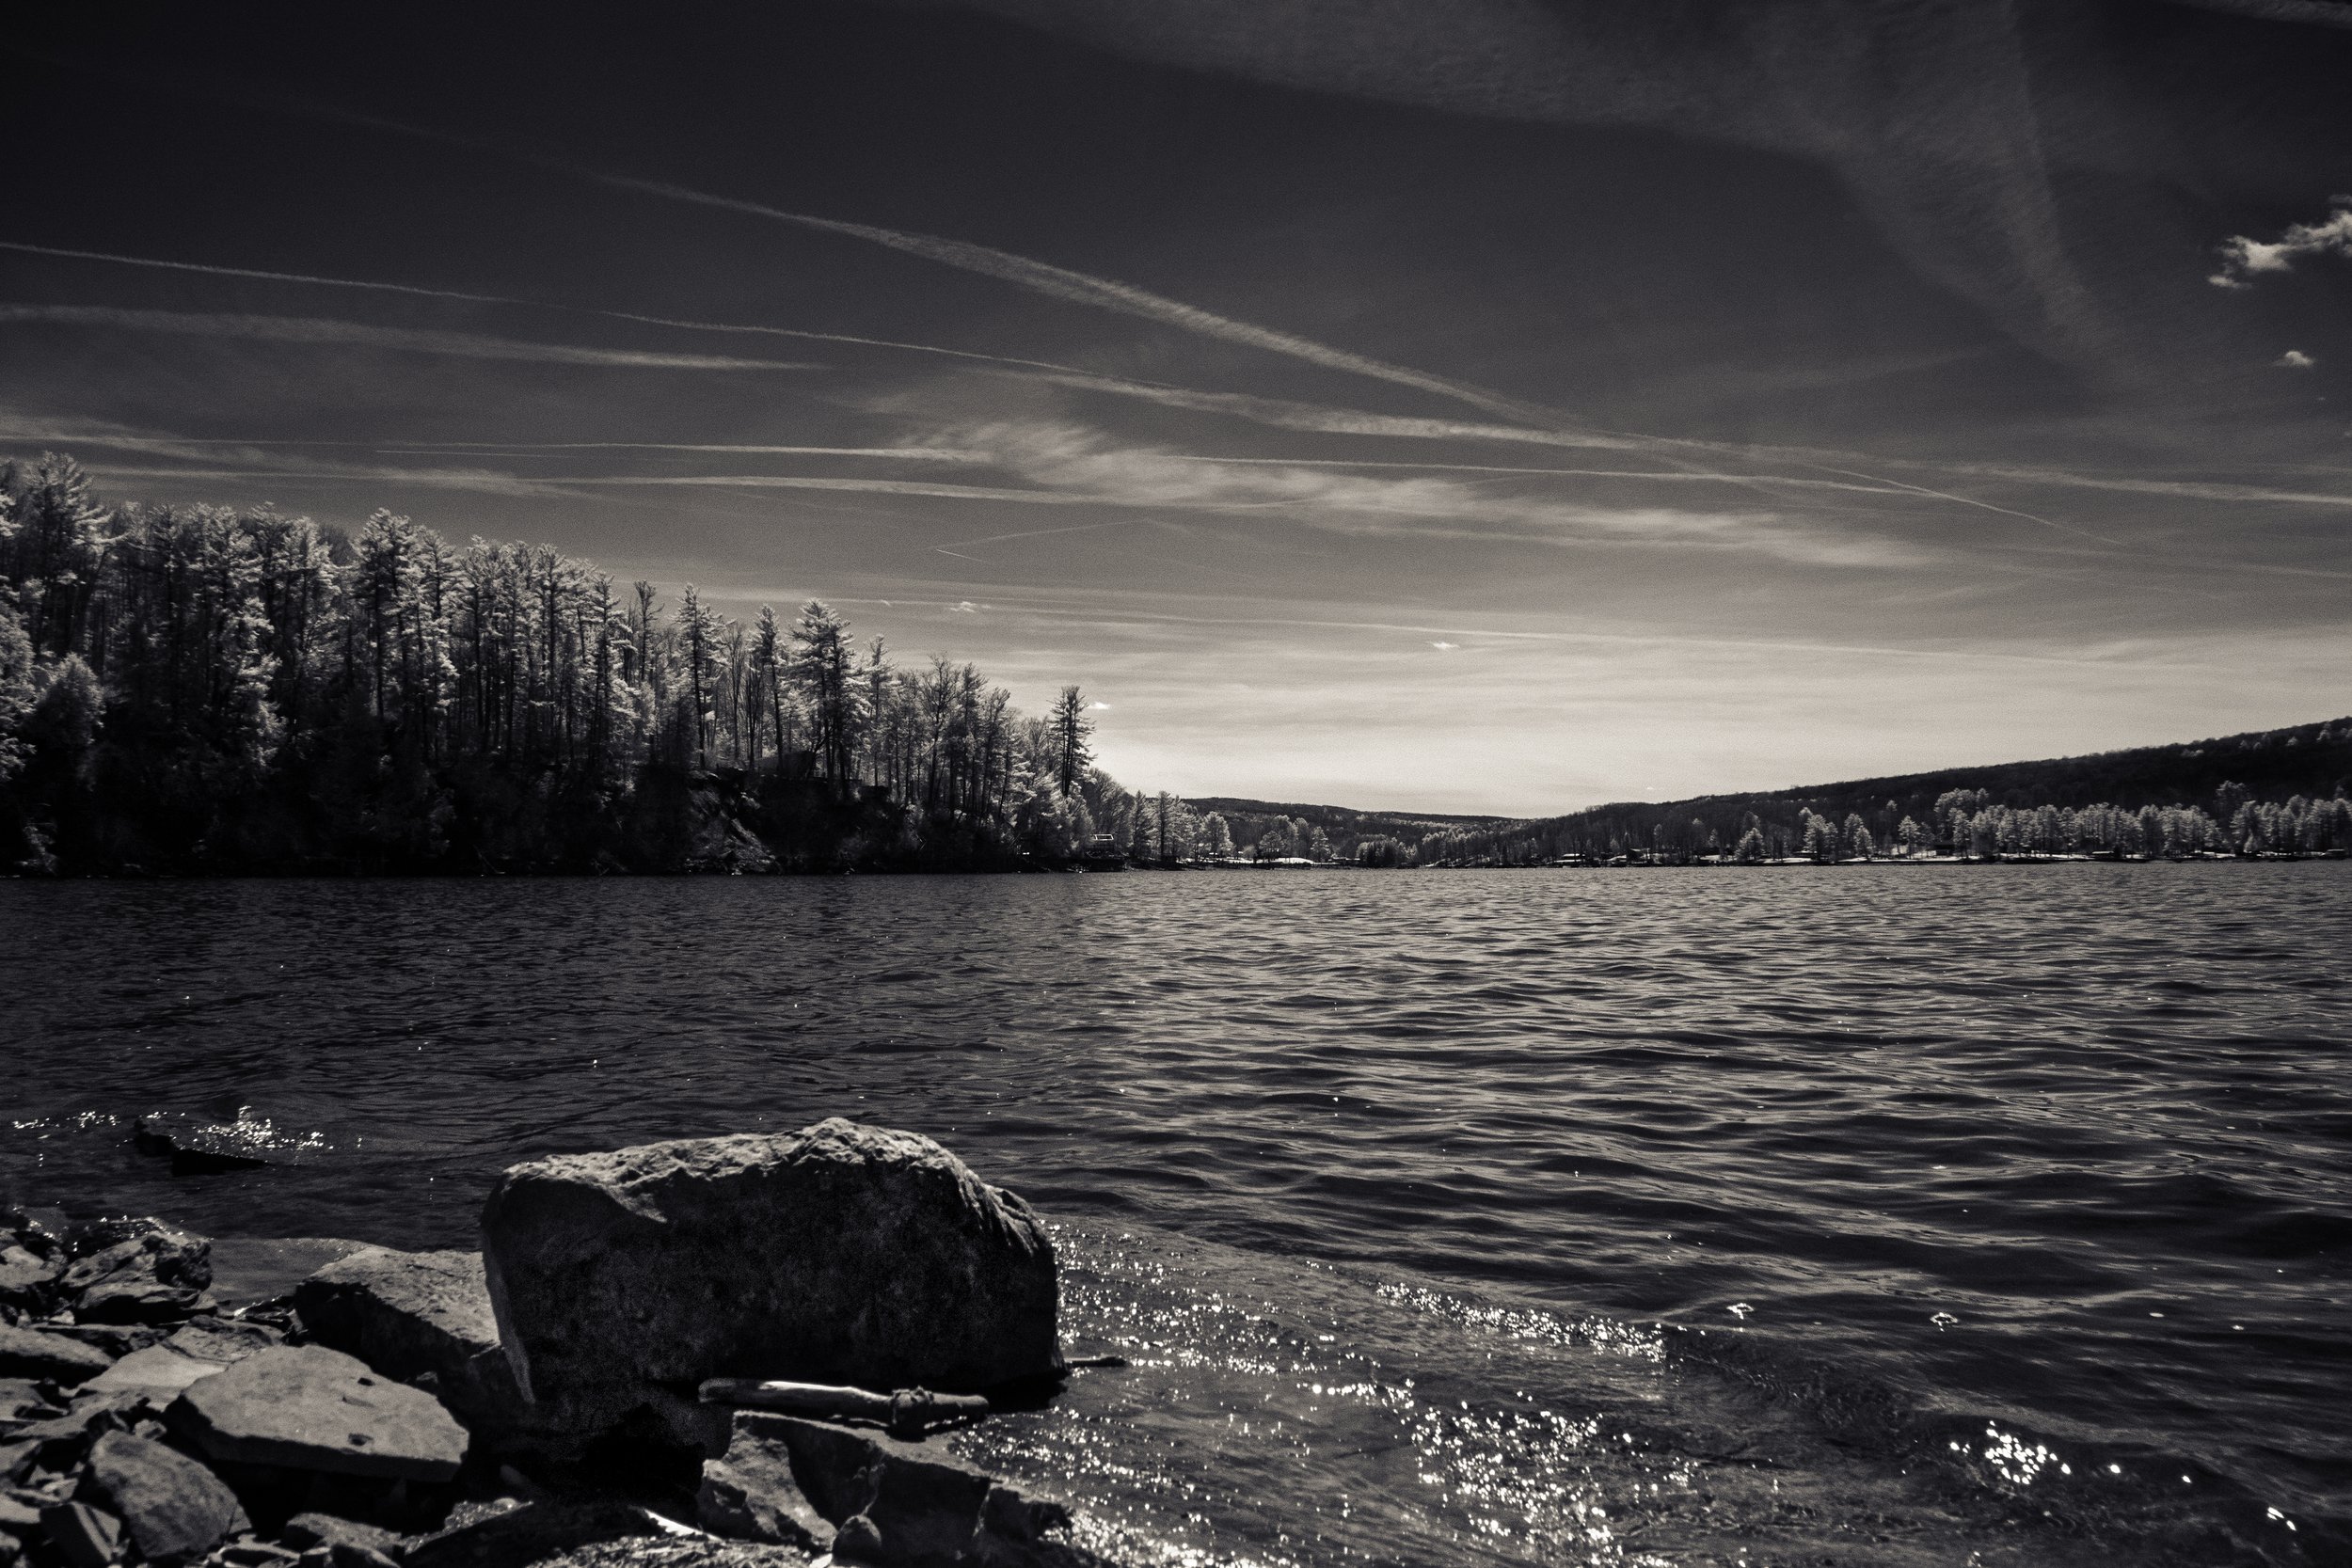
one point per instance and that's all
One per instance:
(312, 1408)
(837, 1254)
(31, 1353)
(199, 1145)
(174, 1509)
(413, 1314)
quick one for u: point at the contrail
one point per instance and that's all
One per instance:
(318, 330)
(316, 280)
(1084, 289)
(1969, 500)
(920, 455)
(1675, 477)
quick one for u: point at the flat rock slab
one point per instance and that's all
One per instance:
(174, 1509)
(408, 1314)
(30, 1353)
(163, 1371)
(918, 1502)
(752, 1495)
(838, 1254)
(158, 1372)
(311, 1408)
(247, 1269)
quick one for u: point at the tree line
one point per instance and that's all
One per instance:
(1961, 823)
(210, 687)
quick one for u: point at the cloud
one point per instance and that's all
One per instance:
(1087, 466)
(2242, 257)
(2294, 360)
(966, 607)
(320, 331)
(1445, 647)
(1099, 708)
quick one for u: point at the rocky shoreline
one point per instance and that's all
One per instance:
(727, 1351)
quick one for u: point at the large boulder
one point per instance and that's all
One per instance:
(415, 1315)
(837, 1254)
(311, 1408)
(175, 1510)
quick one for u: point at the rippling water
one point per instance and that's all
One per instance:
(1891, 1215)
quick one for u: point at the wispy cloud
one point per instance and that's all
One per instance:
(314, 330)
(2294, 360)
(2243, 258)
(1089, 466)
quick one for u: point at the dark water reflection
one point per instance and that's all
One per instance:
(1979, 1181)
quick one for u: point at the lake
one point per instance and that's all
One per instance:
(1982, 1215)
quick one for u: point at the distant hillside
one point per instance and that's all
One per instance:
(1347, 830)
(2218, 776)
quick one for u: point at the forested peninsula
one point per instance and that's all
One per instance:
(202, 689)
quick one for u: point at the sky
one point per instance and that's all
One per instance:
(1502, 407)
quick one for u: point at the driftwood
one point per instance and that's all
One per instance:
(908, 1412)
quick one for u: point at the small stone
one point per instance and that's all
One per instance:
(31, 1353)
(254, 1554)
(312, 1408)
(305, 1531)
(86, 1537)
(174, 1509)
(858, 1540)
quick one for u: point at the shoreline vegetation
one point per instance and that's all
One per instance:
(201, 690)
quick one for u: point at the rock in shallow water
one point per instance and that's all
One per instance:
(837, 1254)
(311, 1408)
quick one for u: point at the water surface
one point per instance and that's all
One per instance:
(1858, 1215)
